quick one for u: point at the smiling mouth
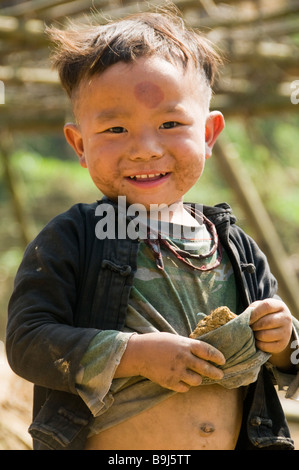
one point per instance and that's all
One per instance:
(147, 177)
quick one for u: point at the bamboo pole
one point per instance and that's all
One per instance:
(238, 179)
(29, 74)
(241, 17)
(29, 32)
(31, 6)
(5, 150)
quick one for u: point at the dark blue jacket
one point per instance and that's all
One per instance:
(70, 285)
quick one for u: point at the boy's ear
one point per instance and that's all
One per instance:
(74, 138)
(214, 126)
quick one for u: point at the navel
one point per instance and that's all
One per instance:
(149, 94)
(206, 429)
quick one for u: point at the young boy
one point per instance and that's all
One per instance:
(100, 319)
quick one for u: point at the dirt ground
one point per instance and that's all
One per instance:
(16, 405)
(15, 410)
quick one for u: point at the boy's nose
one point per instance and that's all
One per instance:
(146, 147)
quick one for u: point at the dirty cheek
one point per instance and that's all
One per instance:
(149, 94)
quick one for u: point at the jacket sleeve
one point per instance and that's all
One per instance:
(262, 284)
(43, 344)
(254, 266)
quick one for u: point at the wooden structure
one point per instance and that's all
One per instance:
(256, 37)
(259, 39)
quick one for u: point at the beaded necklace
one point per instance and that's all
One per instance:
(182, 255)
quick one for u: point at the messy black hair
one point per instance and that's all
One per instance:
(82, 52)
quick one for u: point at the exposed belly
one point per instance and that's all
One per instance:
(207, 417)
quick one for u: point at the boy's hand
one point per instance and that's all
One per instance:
(271, 322)
(174, 362)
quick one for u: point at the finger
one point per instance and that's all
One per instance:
(262, 308)
(192, 378)
(268, 336)
(181, 387)
(268, 322)
(207, 352)
(206, 369)
(269, 347)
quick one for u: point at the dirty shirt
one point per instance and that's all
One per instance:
(171, 300)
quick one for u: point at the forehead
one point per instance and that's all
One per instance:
(150, 81)
(148, 93)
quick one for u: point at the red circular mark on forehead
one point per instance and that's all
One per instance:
(149, 94)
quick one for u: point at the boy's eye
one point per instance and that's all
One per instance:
(169, 125)
(116, 130)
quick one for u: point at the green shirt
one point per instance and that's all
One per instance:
(161, 300)
(170, 299)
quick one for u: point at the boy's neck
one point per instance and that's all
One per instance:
(176, 214)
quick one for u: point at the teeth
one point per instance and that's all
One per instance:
(152, 175)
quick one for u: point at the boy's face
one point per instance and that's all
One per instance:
(144, 130)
